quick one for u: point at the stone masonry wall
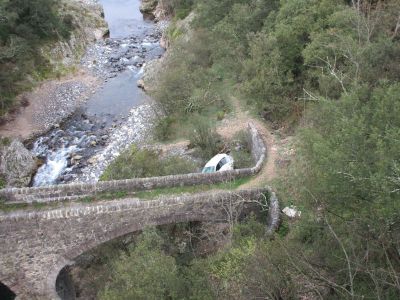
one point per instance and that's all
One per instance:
(78, 190)
(37, 244)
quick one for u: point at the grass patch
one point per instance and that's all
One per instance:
(152, 194)
(205, 139)
(143, 195)
(241, 150)
(142, 163)
(104, 197)
(11, 207)
(4, 207)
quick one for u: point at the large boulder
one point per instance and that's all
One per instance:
(147, 7)
(17, 164)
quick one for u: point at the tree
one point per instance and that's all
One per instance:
(24, 27)
(144, 273)
(349, 163)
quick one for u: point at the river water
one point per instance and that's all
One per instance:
(117, 114)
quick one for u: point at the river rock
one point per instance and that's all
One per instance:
(92, 160)
(140, 84)
(148, 6)
(17, 164)
(164, 42)
(75, 159)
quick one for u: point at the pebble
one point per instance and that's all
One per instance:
(61, 103)
(135, 129)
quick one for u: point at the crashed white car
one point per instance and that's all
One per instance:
(220, 162)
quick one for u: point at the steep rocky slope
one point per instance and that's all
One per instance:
(87, 17)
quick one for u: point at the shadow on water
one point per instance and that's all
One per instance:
(6, 293)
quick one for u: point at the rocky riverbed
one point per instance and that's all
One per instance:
(112, 116)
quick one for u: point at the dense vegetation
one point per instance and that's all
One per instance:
(171, 262)
(328, 70)
(281, 54)
(25, 26)
(140, 163)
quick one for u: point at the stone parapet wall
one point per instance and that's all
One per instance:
(274, 213)
(78, 190)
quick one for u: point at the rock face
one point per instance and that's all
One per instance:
(148, 7)
(17, 164)
(88, 19)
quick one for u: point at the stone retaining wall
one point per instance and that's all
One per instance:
(78, 190)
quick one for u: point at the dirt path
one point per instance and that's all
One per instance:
(227, 128)
(237, 122)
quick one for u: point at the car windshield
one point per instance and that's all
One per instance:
(208, 170)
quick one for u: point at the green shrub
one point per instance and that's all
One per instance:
(177, 165)
(283, 229)
(182, 13)
(241, 150)
(242, 159)
(5, 141)
(145, 272)
(220, 115)
(205, 138)
(3, 182)
(139, 163)
(152, 269)
(250, 227)
(25, 26)
(173, 32)
(162, 130)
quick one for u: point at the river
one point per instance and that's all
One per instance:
(117, 114)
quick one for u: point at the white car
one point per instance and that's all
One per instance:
(220, 162)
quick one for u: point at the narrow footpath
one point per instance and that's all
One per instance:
(238, 121)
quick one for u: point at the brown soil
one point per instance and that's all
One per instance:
(26, 122)
(238, 121)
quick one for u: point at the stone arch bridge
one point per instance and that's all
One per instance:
(37, 244)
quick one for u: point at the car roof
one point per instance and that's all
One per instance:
(215, 160)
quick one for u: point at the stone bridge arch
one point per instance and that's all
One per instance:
(37, 245)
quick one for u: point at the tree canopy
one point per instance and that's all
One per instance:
(25, 25)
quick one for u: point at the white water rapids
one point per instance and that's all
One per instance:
(56, 164)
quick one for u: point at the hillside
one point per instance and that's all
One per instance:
(319, 79)
(38, 44)
(325, 75)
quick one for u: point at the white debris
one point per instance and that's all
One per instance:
(292, 212)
